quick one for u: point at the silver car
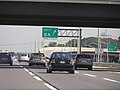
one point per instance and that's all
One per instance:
(37, 59)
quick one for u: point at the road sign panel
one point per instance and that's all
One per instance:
(112, 47)
(49, 32)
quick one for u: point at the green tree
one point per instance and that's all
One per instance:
(52, 44)
(119, 38)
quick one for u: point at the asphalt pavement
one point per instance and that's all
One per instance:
(23, 77)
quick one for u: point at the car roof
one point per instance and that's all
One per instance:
(37, 53)
(4, 53)
(59, 52)
(82, 54)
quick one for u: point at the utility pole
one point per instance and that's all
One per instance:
(98, 46)
(106, 36)
(38, 42)
(107, 54)
(31, 46)
(35, 46)
(79, 42)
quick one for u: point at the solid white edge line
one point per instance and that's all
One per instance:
(49, 86)
(111, 80)
(90, 75)
(36, 77)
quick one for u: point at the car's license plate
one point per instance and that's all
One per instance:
(62, 61)
(38, 59)
(4, 58)
(83, 61)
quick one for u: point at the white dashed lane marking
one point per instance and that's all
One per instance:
(111, 80)
(31, 73)
(39, 79)
(90, 75)
(76, 72)
(49, 86)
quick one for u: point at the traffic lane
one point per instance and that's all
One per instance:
(19, 79)
(77, 81)
(102, 74)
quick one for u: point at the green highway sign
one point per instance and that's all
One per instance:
(49, 32)
(112, 47)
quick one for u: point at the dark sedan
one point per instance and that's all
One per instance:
(60, 61)
(84, 61)
(5, 58)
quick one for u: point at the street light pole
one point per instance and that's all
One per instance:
(107, 53)
(98, 46)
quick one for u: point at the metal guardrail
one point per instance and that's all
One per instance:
(112, 66)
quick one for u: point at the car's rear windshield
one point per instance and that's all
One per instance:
(4, 54)
(37, 55)
(64, 56)
(83, 56)
(23, 54)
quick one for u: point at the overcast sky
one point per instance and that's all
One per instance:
(23, 38)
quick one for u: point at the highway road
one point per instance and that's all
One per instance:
(22, 77)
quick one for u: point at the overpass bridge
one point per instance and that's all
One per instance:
(78, 13)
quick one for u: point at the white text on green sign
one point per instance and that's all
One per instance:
(112, 47)
(49, 32)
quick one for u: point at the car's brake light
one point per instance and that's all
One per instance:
(78, 60)
(70, 61)
(44, 58)
(56, 61)
(53, 61)
(90, 61)
(31, 58)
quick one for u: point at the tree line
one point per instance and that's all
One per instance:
(91, 42)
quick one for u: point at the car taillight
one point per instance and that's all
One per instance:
(52, 61)
(31, 58)
(56, 61)
(44, 58)
(78, 60)
(70, 61)
(90, 61)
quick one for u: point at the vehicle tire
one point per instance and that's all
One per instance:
(69, 71)
(11, 64)
(49, 71)
(90, 67)
(44, 65)
(72, 71)
(19, 60)
(75, 67)
(29, 64)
